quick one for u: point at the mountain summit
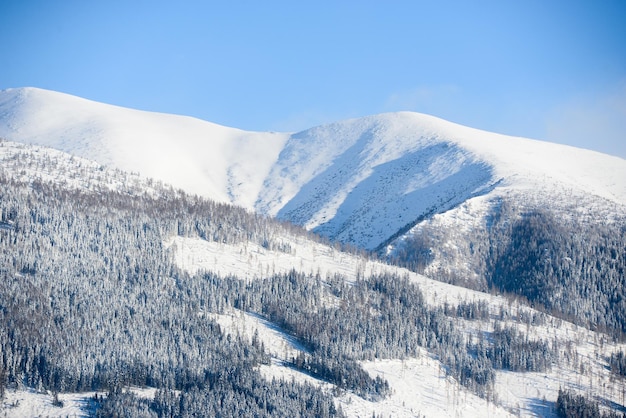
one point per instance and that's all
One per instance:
(360, 181)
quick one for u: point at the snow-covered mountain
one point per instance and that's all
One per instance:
(362, 181)
(460, 198)
(458, 204)
(62, 248)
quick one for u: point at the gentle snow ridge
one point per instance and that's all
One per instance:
(223, 163)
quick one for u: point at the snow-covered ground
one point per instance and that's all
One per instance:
(29, 403)
(420, 388)
(28, 163)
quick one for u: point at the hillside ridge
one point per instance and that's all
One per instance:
(330, 178)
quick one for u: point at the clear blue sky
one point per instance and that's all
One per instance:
(546, 69)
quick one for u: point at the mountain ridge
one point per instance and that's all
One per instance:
(166, 147)
(329, 178)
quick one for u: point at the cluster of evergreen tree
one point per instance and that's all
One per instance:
(236, 396)
(617, 362)
(382, 316)
(512, 350)
(296, 302)
(570, 405)
(571, 268)
(473, 311)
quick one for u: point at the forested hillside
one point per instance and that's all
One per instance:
(569, 261)
(89, 300)
(92, 299)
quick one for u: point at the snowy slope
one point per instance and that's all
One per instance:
(26, 163)
(359, 181)
(375, 175)
(369, 178)
(223, 163)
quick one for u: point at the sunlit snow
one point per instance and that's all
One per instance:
(342, 180)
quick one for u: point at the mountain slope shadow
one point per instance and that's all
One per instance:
(372, 203)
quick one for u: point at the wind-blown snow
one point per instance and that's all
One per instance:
(360, 181)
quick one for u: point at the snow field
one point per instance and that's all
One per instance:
(420, 387)
(29, 403)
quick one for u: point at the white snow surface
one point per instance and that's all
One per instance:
(28, 403)
(203, 158)
(358, 181)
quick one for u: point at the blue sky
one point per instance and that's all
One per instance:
(545, 69)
